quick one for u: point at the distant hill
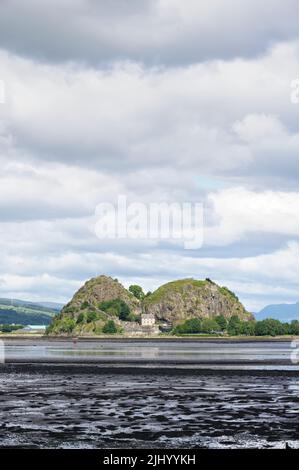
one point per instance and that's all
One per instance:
(24, 303)
(282, 312)
(27, 313)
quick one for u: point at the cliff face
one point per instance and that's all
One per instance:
(179, 300)
(173, 303)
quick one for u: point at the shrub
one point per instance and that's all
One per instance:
(85, 304)
(110, 327)
(91, 316)
(80, 318)
(67, 325)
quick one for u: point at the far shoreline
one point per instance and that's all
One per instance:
(118, 338)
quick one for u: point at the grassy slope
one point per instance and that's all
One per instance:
(176, 286)
(25, 314)
(172, 286)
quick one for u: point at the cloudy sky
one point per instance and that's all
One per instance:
(158, 100)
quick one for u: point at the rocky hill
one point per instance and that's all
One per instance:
(179, 300)
(103, 299)
(97, 290)
(99, 300)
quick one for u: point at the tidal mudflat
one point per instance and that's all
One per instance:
(89, 410)
(49, 403)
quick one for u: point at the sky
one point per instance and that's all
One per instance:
(161, 101)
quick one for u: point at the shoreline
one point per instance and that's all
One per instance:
(117, 339)
(136, 370)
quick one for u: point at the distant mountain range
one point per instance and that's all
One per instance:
(282, 312)
(23, 312)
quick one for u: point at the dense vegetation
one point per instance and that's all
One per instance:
(118, 308)
(6, 328)
(92, 320)
(235, 327)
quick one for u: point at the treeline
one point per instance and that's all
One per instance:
(6, 328)
(235, 326)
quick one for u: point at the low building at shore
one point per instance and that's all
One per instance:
(147, 319)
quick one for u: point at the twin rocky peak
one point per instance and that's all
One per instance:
(103, 301)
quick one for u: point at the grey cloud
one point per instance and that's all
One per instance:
(151, 31)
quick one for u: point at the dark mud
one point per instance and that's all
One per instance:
(109, 410)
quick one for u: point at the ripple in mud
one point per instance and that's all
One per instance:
(40, 410)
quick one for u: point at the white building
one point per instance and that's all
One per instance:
(147, 319)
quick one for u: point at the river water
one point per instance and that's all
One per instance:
(196, 353)
(136, 394)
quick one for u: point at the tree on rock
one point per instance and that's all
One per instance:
(136, 291)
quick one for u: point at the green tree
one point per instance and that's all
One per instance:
(247, 328)
(234, 325)
(136, 291)
(222, 322)
(209, 325)
(269, 327)
(294, 327)
(193, 325)
(110, 327)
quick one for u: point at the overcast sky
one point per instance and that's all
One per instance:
(160, 100)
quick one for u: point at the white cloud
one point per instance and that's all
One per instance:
(238, 212)
(93, 111)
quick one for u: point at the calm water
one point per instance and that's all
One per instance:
(170, 352)
(135, 394)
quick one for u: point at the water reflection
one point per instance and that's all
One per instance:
(162, 351)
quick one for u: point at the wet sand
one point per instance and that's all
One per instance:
(110, 395)
(108, 410)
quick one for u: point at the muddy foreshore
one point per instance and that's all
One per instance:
(75, 407)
